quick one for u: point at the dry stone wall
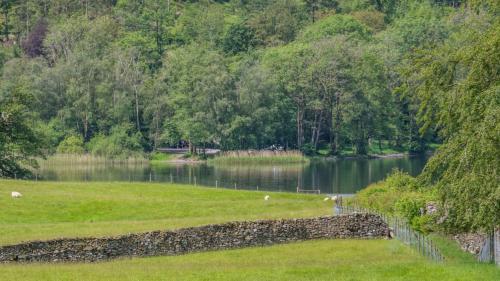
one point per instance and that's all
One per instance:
(196, 239)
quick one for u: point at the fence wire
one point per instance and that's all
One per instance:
(401, 230)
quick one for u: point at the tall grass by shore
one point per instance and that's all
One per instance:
(260, 156)
(75, 159)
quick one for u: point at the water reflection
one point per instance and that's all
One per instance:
(328, 176)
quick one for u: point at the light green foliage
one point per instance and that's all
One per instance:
(459, 89)
(397, 195)
(335, 25)
(279, 22)
(71, 145)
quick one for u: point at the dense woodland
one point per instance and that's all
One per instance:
(123, 77)
(118, 77)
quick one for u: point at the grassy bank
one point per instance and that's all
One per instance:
(50, 210)
(260, 157)
(376, 149)
(313, 260)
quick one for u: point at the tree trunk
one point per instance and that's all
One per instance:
(336, 125)
(318, 130)
(6, 21)
(300, 127)
(137, 109)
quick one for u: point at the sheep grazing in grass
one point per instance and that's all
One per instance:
(266, 197)
(16, 194)
(334, 198)
(326, 199)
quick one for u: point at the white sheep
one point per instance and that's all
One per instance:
(334, 198)
(16, 194)
(326, 199)
(266, 197)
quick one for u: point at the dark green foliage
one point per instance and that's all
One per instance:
(121, 143)
(239, 38)
(19, 143)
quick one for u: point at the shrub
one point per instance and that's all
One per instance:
(71, 145)
(121, 143)
(401, 181)
(410, 206)
(308, 149)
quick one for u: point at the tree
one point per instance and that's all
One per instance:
(6, 6)
(279, 22)
(287, 64)
(20, 144)
(336, 25)
(201, 93)
(313, 6)
(239, 38)
(459, 92)
(33, 44)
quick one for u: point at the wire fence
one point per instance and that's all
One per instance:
(173, 178)
(401, 230)
(490, 250)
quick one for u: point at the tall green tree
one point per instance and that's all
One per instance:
(459, 91)
(20, 143)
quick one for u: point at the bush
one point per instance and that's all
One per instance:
(308, 149)
(399, 195)
(71, 145)
(424, 223)
(410, 206)
(401, 181)
(121, 143)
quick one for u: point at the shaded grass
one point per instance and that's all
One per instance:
(386, 148)
(50, 210)
(312, 260)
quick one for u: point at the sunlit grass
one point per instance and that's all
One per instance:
(313, 260)
(50, 209)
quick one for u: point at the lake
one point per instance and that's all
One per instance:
(344, 176)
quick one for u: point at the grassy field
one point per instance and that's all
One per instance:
(312, 260)
(50, 210)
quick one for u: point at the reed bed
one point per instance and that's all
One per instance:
(260, 157)
(77, 159)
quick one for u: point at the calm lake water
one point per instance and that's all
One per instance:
(329, 176)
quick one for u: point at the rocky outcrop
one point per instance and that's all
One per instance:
(470, 242)
(195, 239)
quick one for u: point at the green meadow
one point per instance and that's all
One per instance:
(49, 210)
